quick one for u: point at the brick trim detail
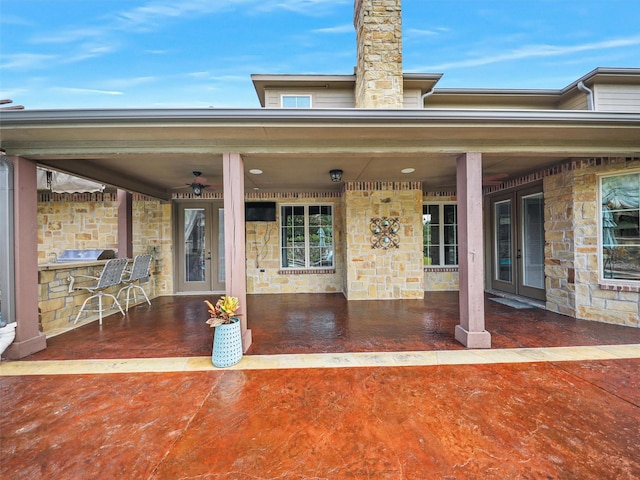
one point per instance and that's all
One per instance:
(440, 269)
(307, 272)
(620, 288)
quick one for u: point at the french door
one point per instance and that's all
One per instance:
(200, 247)
(517, 242)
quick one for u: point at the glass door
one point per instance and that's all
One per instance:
(517, 256)
(200, 252)
(531, 282)
(503, 245)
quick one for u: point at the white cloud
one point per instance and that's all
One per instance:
(347, 28)
(27, 60)
(419, 32)
(537, 51)
(124, 83)
(86, 91)
(66, 36)
(89, 51)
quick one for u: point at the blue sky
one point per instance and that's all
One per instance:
(201, 53)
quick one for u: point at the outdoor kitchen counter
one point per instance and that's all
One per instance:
(69, 265)
(59, 307)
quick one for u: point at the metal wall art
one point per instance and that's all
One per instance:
(385, 232)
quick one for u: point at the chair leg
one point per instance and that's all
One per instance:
(100, 307)
(115, 302)
(84, 304)
(143, 293)
(131, 288)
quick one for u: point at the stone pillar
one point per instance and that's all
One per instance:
(125, 224)
(471, 332)
(378, 26)
(235, 261)
(28, 337)
(379, 273)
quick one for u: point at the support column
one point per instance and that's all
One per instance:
(471, 332)
(235, 261)
(125, 224)
(25, 202)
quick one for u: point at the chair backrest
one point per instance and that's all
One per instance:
(140, 267)
(112, 272)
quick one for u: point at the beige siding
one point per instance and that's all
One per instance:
(320, 98)
(617, 98)
(577, 101)
(486, 102)
(411, 98)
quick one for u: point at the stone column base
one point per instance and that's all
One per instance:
(473, 339)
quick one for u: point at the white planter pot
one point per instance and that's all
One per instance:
(227, 344)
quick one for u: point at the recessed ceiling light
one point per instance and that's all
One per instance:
(255, 171)
(408, 170)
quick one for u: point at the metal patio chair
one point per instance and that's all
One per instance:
(110, 276)
(139, 271)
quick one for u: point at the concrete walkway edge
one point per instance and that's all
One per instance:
(323, 360)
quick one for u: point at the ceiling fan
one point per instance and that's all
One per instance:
(198, 184)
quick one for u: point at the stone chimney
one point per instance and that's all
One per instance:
(379, 66)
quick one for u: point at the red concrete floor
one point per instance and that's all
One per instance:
(573, 420)
(553, 420)
(314, 323)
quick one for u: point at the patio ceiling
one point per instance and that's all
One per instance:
(154, 151)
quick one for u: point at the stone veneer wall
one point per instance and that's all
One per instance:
(153, 233)
(378, 26)
(82, 221)
(440, 279)
(395, 273)
(571, 266)
(263, 251)
(87, 221)
(58, 307)
(90, 221)
(559, 250)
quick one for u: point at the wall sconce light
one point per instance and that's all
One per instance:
(336, 175)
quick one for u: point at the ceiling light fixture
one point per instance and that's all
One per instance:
(408, 170)
(196, 185)
(336, 175)
(255, 171)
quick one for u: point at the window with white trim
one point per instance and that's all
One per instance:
(440, 234)
(296, 101)
(620, 227)
(306, 236)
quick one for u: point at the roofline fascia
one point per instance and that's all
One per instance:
(496, 91)
(600, 71)
(104, 116)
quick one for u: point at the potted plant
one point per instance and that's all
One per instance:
(227, 337)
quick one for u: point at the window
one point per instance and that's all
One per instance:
(296, 101)
(619, 227)
(440, 234)
(306, 236)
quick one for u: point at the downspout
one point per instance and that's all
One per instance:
(425, 95)
(584, 89)
(7, 264)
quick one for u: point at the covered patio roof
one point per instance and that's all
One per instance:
(153, 151)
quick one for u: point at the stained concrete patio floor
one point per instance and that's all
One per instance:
(328, 390)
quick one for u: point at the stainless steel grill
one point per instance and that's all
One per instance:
(77, 255)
